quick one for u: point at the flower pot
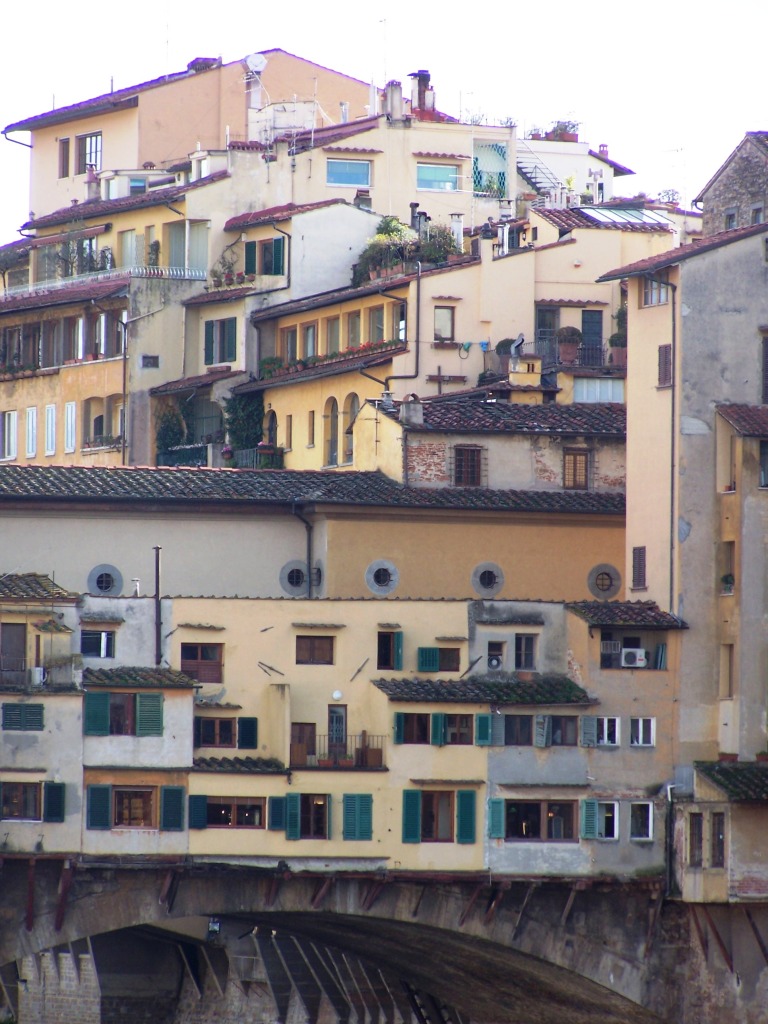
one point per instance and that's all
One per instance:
(618, 357)
(568, 352)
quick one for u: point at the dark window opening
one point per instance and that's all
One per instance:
(314, 650)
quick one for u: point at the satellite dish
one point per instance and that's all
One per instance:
(256, 62)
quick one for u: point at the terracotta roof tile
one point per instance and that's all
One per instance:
(51, 626)
(470, 416)
(748, 420)
(551, 689)
(238, 487)
(203, 380)
(228, 294)
(329, 368)
(114, 287)
(241, 765)
(31, 586)
(143, 678)
(741, 781)
(278, 213)
(637, 614)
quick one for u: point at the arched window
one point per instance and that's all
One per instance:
(351, 409)
(271, 428)
(331, 440)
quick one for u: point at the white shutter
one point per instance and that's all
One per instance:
(10, 449)
(70, 410)
(50, 430)
(31, 432)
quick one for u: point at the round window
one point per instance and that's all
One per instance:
(382, 577)
(296, 578)
(604, 581)
(487, 579)
(105, 582)
(293, 578)
(105, 579)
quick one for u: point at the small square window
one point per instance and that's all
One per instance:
(642, 732)
(468, 465)
(444, 323)
(576, 470)
(525, 651)
(97, 643)
(314, 650)
(518, 730)
(348, 172)
(202, 662)
(607, 819)
(641, 820)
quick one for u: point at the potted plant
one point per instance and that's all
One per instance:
(568, 342)
(618, 346)
(728, 581)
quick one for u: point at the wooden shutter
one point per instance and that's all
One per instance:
(638, 568)
(399, 726)
(247, 733)
(96, 714)
(13, 717)
(411, 815)
(276, 815)
(251, 250)
(465, 816)
(149, 714)
(357, 816)
(328, 816)
(429, 659)
(209, 329)
(542, 731)
(293, 816)
(497, 730)
(230, 339)
(171, 808)
(32, 716)
(99, 802)
(437, 731)
(496, 828)
(397, 650)
(53, 801)
(588, 725)
(198, 811)
(483, 729)
(589, 819)
(278, 254)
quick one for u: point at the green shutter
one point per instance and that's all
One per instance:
(542, 731)
(588, 724)
(397, 660)
(12, 716)
(399, 726)
(53, 801)
(293, 816)
(278, 255)
(96, 714)
(496, 828)
(437, 736)
(429, 659)
(149, 714)
(209, 328)
(483, 729)
(589, 819)
(230, 339)
(364, 815)
(411, 815)
(251, 250)
(465, 816)
(198, 811)
(33, 716)
(247, 733)
(171, 808)
(328, 816)
(99, 807)
(276, 816)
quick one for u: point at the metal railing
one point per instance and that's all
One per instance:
(56, 284)
(264, 457)
(361, 750)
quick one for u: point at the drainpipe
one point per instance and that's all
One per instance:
(308, 528)
(158, 610)
(670, 845)
(417, 339)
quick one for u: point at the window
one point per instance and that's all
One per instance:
(307, 816)
(598, 389)
(311, 428)
(389, 649)
(21, 800)
(332, 335)
(88, 152)
(314, 650)
(357, 816)
(756, 215)
(220, 341)
(495, 658)
(717, 840)
(150, 362)
(50, 430)
(214, 732)
(289, 343)
(97, 643)
(638, 568)
(428, 816)
(564, 730)
(123, 714)
(607, 819)
(105, 582)
(467, 465)
(23, 717)
(289, 431)
(729, 222)
(525, 651)
(641, 820)
(458, 729)
(412, 727)
(444, 323)
(764, 382)
(444, 177)
(576, 470)
(608, 732)
(518, 730)
(135, 807)
(726, 670)
(353, 330)
(642, 732)
(539, 820)
(695, 840)
(8, 424)
(235, 812)
(348, 172)
(437, 817)
(656, 290)
(764, 464)
(331, 426)
(439, 659)
(63, 158)
(309, 340)
(31, 432)
(203, 662)
(665, 366)
(376, 324)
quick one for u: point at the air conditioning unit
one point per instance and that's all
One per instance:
(610, 646)
(495, 661)
(633, 657)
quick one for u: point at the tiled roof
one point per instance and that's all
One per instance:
(443, 156)
(486, 690)
(228, 294)
(320, 137)
(31, 586)
(332, 298)
(80, 291)
(278, 213)
(741, 781)
(575, 217)
(144, 678)
(20, 245)
(637, 614)
(105, 207)
(470, 416)
(683, 252)
(749, 420)
(618, 169)
(242, 765)
(568, 302)
(329, 368)
(51, 626)
(203, 380)
(129, 485)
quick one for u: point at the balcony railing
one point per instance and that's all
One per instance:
(546, 346)
(263, 457)
(55, 284)
(361, 750)
(103, 441)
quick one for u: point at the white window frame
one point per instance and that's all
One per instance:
(70, 426)
(50, 430)
(602, 731)
(359, 164)
(31, 432)
(10, 448)
(450, 182)
(642, 732)
(601, 807)
(648, 804)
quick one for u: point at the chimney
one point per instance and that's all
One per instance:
(412, 411)
(457, 229)
(422, 97)
(92, 192)
(362, 199)
(393, 101)
(414, 216)
(603, 149)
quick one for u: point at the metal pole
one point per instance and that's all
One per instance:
(158, 612)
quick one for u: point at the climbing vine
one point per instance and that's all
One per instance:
(244, 420)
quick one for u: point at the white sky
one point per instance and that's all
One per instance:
(667, 85)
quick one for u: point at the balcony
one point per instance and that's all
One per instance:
(361, 750)
(263, 457)
(57, 283)
(545, 345)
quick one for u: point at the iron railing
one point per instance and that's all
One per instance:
(361, 750)
(263, 457)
